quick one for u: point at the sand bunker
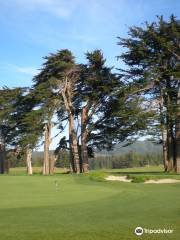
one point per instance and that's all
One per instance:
(125, 179)
(165, 180)
(118, 178)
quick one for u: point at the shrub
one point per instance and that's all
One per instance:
(97, 176)
(138, 179)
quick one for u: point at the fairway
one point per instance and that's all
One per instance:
(73, 207)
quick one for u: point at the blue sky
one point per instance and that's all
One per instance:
(31, 29)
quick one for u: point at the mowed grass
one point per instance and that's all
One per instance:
(71, 207)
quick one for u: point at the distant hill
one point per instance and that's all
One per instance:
(141, 147)
(39, 155)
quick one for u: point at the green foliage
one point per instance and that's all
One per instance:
(153, 69)
(63, 159)
(97, 176)
(9, 99)
(117, 104)
(138, 178)
(15, 160)
(131, 159)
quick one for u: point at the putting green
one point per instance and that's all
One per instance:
(76, 208)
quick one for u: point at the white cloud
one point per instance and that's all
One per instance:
(58, 8)
(31, 71)
(26, 70)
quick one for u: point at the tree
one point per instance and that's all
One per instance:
(29, 125)
(105, 110)
(178, 130)
(97, 83)
(8, 100)
(152, 63)
(85, 96)
(43, 108)
(61, 73)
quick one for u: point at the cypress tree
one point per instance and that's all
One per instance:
(152, 63)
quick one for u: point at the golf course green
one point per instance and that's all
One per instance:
(71, 207)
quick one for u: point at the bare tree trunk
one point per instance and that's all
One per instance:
(2, 158)
(47, 136)
(165, 154)
(46, 151)
(4, 166)
(170, 147)
(52, 162)
(72, 166)
(74, 143)
(28, 156)
(177, 167)
(164, 132)
(170, 135)
(170, 152)
(84, 149)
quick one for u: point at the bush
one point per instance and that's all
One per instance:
(97, 176)
(138, 179)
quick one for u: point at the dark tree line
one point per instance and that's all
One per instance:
(99, 105)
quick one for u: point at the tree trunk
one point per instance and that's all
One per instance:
(28, 156)
(170, 152)
(72, 166)
(47, 140)
(170, 147)
(74, 143)
(84, 148)
(170, 135)
(46, 151)
(52, 162)
(165, 154)
(4, 164)
(177, 167)
(2, 158)
(164, 132)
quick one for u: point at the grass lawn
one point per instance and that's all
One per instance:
(35, 208)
